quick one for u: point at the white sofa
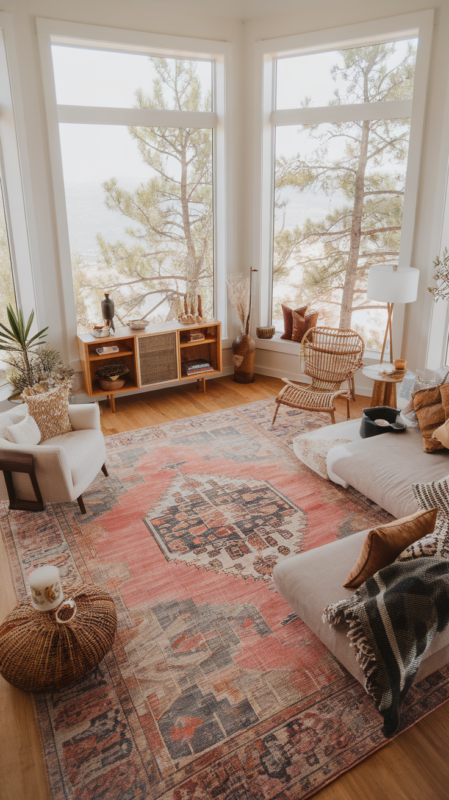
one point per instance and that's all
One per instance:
(383, 468)
(64, 465)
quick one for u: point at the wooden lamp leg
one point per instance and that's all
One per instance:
(388, 330)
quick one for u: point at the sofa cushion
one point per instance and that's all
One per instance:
(81, 448)
(430, 412)
(51, 411)
(288, 319)
(312, 447)
(310, 581)
(384, 468)
(11, 417)
(383, 545)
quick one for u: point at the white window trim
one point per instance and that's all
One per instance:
(98, 37)
(16, 181)
(266, 117)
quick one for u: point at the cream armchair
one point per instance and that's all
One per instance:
(57, 470)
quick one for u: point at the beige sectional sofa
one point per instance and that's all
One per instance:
(383, 468)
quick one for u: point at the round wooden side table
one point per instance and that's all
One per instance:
(384, 390)
(42, 651)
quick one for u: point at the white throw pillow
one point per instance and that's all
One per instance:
(24, 432)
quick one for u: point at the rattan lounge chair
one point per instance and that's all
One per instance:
(331, 357)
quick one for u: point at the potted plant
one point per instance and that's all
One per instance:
(34, 366)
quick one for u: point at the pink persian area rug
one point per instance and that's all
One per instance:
(213, 689)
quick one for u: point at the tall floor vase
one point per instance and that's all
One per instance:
(244, 356)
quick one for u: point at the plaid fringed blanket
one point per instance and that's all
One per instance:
(392, 619)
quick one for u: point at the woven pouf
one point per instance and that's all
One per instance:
(40, 654)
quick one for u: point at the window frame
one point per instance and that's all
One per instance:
(121, 40)
(17, 198)
(419, 24)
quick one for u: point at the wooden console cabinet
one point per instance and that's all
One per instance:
(155, 355)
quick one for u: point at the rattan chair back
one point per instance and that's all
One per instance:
(331, 356)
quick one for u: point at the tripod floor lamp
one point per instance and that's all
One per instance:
(389, 284)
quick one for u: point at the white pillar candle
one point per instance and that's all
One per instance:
(46, 590)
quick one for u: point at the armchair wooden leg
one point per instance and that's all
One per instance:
(104, 470)
(21, 462)
(348, 409)
(332, 413)
(81, 504)
(275, 414)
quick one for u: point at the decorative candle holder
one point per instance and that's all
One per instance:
(46, 589)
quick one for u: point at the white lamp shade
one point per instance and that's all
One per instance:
(387, 285)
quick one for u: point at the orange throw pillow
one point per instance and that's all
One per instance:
(383, 545)
(430, 412)
(50, 411)
(288, 319)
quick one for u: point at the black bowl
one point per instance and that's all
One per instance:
(369, 427)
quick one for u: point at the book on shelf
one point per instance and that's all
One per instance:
(197, 366)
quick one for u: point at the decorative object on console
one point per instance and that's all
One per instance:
(46, 590)
(331, 356)
(51, 412)
(138, 324)
(108, 310)
(196, 336)
(193, 310)
(392, 284)
(383, 545)
(265, 332)
(104, 351)
(111, 376)
(380, 419)
(244, 346)
(287, 313)
(101, 331)
(43, 652)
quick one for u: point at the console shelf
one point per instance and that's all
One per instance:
(154, 356)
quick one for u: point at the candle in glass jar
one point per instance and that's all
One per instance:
(46, 590)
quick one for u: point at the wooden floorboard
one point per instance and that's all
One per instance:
(415, 766)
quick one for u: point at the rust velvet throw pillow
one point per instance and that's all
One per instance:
(430, 412)
(288, 319)
(383, 545)
(301, 324)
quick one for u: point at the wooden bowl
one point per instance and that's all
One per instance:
(138, 324)
(110, 386)
(265, 333)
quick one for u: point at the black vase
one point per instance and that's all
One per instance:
(107, 310)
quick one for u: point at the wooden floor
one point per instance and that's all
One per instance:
(415, 766)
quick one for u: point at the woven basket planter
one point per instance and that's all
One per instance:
(265, 333)
(38, 654)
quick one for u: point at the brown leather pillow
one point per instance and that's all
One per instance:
(288, 319)
(383, 545)
(302, 323)
(444, 392)
(430, 412)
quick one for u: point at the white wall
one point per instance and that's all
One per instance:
(434, 155)
(166, 17)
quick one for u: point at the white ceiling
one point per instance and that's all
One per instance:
(240, 9)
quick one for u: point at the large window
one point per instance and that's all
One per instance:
(138, 146)
(339, 175)
(339, 186)
(139, 199)
(7, 290)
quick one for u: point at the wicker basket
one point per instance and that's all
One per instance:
(110, 386)
(265, 333)
(40, 654)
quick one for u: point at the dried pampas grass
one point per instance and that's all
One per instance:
(240, 297)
